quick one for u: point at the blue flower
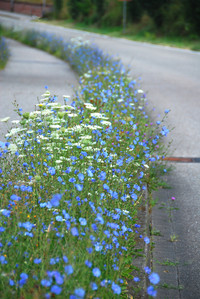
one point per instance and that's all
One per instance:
(74, 231)
(94, 286)
(69, 269)
(81, 176)
(65, 259)
(37, 261)
(83, 221)
(23, 279)
(102, 175)
(151, 291)
(154, 278)
(80, 292)
(59, 218)
(46, 283)
(56, 289)
(146, 240)
(96, 272)
(79, 187)
(6, 213)
(52, 170)
(15, 197)
(3, 260)
(11, 282)
(55, 201)
(89, 173)
(116, 289)
(88, 264)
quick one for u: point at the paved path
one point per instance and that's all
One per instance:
(27, 73)
(171, 78)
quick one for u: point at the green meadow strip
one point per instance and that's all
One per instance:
(4, 52)
(73, 176)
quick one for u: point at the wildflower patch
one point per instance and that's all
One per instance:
(72, 178)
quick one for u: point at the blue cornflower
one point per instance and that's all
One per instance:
(37, 261)
(46, 283)
(136, 279)
(102, 175)
(83, 221)
(11, 282)
(74, 231)
(3, 260)
(99, 219)
(55, 201)
(81, 176)
(146, 240)
(72, 180)
(98, 246)
(147, 270)
(52, 170)
(164, 131)
(69, 269)
(88, 264)
(59, 218)
(65, 259)
(151, 291)
(79, 187)
(106, 187)
(56, 289)
(94, 286)
(167, 111)
(15, 197)
(96, 272)
(80, 292)
(89, 173)
(116, 289)
(154, 278)
(23, 279)
(5, 213)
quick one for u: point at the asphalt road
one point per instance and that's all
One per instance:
(170, 77)
(27, 73)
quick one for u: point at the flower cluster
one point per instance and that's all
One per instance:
(72, 179)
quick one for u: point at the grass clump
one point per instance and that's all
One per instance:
(4, 51)
(72, 179)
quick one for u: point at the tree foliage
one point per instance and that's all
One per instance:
(175, 17)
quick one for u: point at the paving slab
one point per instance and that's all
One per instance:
(176, 255)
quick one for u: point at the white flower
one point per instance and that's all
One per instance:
(5, 119)
(86, 137)
(15, 121)
(120, 100)
(91, 107)
(72, 114)
(55, 126)
(98, 115)
(140, 91)
(13, 148)
(106, 123)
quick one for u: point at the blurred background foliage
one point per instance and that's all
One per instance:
(168, 17)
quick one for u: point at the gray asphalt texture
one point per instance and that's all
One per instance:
(170, 77)
(24, 79)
